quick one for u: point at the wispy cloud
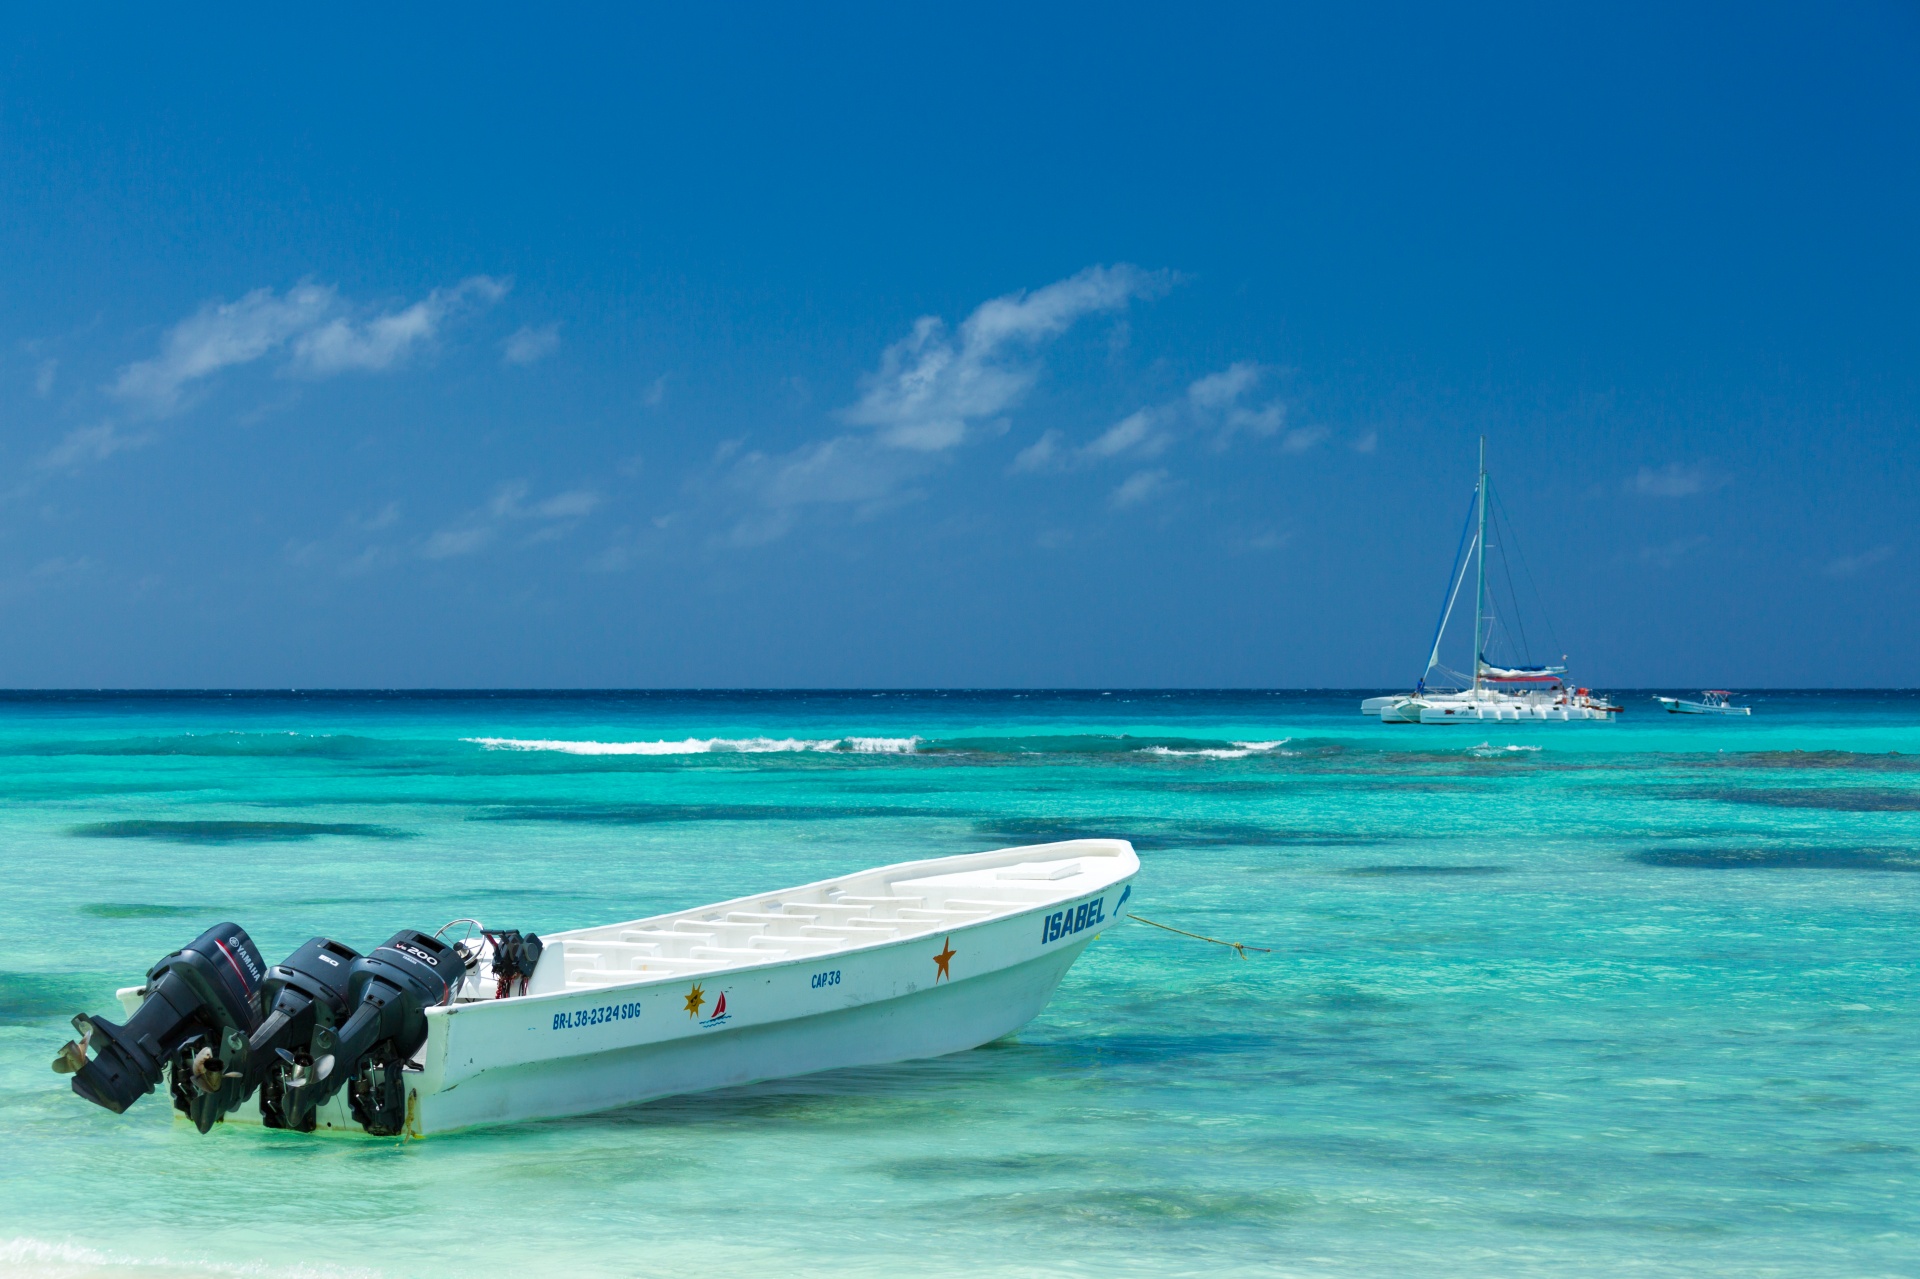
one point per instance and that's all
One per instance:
(1667, 554)
(931, 393)
(1136, 435)
(343, 344)
(1218, 407)
(1220, 400)
(933, 385)
(1855, 565)
(319, 334)
(849, 471)
(1304, 439)
(551, 517)
(43, 376)
(1041, 455)
(1675, 479)
(528, 345)
(220, 335)
(92, 444)
(1138, 487)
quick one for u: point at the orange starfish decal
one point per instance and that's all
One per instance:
(695, 999)
(942, 959)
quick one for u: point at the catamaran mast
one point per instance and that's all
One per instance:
(1480, 558)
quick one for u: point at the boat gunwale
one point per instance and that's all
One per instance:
(1123, 850)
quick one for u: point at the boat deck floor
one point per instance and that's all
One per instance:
(797, 923)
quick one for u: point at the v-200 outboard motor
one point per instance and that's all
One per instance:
(201, 1005)
(389, 992)
(303, 993)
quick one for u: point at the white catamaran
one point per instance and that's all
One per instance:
(1493, 692)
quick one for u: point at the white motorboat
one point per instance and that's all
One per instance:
(1516, 693)
(911, 960)
(1712, 702)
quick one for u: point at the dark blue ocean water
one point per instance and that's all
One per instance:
(1566, 999)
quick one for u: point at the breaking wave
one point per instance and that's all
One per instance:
(51, 1259)
(1239, 750)
(708, 745)
(1486, 750)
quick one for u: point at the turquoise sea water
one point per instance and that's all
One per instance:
(1565, 1000)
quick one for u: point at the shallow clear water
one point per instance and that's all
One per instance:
(1561, 1000)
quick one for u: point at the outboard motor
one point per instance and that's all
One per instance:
(389, 992)
(303, 993)
(201, 1005)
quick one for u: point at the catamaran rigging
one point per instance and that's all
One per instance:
(1493, 691)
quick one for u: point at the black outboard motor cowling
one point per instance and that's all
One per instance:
(305, 992)
(201, 1004)
(389, 992)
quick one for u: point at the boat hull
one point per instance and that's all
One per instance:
(1681, 706)
(914, 960)
(930, 1023)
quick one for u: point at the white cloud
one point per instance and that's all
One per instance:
(555, 517)
(1367, 443)
(931, 392)
(307, 318)
(1133, 434)
(343, 344)
(92, 444)
(656, 393)
(217, 336)
(847, 470)
(1667, 554)
(1855, 565)
(932, 386)
(1138, 487)
(449, 542)
(386, 517)
(1217, 391)
(1673, 480)
(1040, 455)
(43, 377)
(528, 345)
(1215, 405)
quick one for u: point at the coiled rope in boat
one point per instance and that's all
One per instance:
(1239, 948)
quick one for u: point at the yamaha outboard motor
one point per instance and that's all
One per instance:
(201, 1005)
(389, 992)
(303, 993)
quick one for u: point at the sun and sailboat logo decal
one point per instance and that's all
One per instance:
(697, 1000)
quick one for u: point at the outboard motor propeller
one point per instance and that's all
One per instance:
(389, 992)
(303, 993)
(201, 1004)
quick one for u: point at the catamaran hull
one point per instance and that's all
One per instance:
(1470, 714)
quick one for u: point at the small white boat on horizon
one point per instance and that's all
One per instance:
(1713, 701)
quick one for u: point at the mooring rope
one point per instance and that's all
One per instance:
(1240, 948)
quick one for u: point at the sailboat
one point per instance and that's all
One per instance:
(1539, 694)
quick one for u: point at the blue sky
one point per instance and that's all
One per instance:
(987, 347)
